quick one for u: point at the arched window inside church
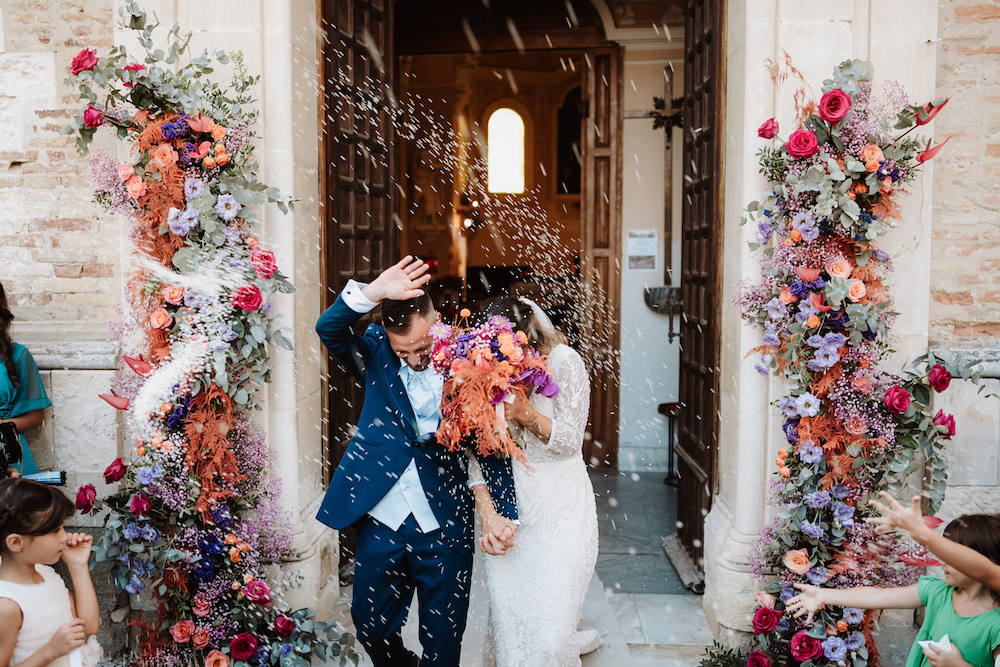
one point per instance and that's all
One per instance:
(568, 144)
(505, 140)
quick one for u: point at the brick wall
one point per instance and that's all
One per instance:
(965, 270)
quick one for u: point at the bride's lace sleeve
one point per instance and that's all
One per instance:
(572, 404)
(475, 472)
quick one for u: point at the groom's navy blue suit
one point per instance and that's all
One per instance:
(391, 564)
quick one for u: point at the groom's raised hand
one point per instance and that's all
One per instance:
(399, 282)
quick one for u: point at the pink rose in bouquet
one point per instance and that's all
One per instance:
(115, 471)
(758, 659)
(897, 399)
(93, 117)
(768, 129)
(217, 658)
(140, 505)
(284, 625)
(248, 298)
(181, 631)
(797, 560)
(804, 647)
(257, 591)
(939, 378)
(134, 67)
(802, 143)
(200, 638)
(85, 498)
(243, 646)
(765, 620)
(948, 421)
(834, 105)
(84, 61)
(264, 264)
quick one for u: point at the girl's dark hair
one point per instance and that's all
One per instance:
(6, 342)
(980, 532)
(522, 316)
(30, 508)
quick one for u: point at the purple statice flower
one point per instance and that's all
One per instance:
(807, 405)
(834, 648)
(788, 406)
(227, 207)
(840, 491)
(853, 615)
(134, 586)
(844, 513)
(812, 531)
(854, 642)
(810, 453)
(771, 335)
(791, 429)
(782, 625)
(775, 309)
(194, 188)
(131, 531)
(817, 500)
(233, 235)
(817, 575)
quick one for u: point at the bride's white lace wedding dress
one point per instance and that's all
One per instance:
(537, 588)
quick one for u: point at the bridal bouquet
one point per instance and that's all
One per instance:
(484, 367)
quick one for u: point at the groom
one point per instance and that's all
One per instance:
(405, 494)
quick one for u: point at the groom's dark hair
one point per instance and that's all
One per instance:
(397, 316)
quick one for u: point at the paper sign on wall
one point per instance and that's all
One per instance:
(642, 249)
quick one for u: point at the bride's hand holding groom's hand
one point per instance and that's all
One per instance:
(498, 534)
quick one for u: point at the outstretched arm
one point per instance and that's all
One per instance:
(813, 598)
(968, 561)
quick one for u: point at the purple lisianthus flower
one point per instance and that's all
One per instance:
(761, 368)
(807, 405)
(158, 469)
(134, 586)
(222, 517)
(782, 625)
(840, 491)
(195, 299)
(853, 615)
(149, 533)
(237, 263)
(881, 255)
(817, 500)
(826, 356)
(266, 309)
(194, 188)
(775, 309)
(854, 642)
(131, 531)
(812, 531)
(816, 341)
(844, 514)
(227, 207)
(262, 655)
(834, 340)
(791, 429)
(226, 332)
(787, 592)
(805, 224)
(286, 649)
(771, 339)
(233, 235)
(175, 224)
(788, 406)
(764, 232)
(834, 648)
(145, 475)
(810, 453)
(817, 575)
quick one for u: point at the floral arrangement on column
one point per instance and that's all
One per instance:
(826, 314)
(196, 517)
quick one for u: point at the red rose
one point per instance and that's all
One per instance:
(768, 129)
(284, 625)
(939, 378)
(115, 471)
(897, 399)
(834, 105)
(243, 646)
(85, 498)
(140, 504)
(134, 67)
(948, 421)
(84, 61)
(758, 659)
(765, 620)
(805, 647)
(248, 297)
(93, 117)
(258, 591)
(264, 264)
(802, 143)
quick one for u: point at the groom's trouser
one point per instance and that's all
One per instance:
(389, 566)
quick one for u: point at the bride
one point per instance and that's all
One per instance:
(537, 589)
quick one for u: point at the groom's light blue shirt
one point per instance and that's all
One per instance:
(423, 388)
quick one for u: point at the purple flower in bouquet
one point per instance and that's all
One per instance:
(844, 514)
(134, 586)
(834, 648)
(817, 500)
(195, 299)
(439, 331)
(764, 232)
(807, 405)
(854, 642)
(224, 331)
(194, 188)
(761, 368)
(787, 592)
(205, 570)
(825, 357)
(817, 575)
(775, 309)
(812, 530)
(840, 491)
(771, 335)
(791, 429)
(853, 615)
(881, 255)
(227, 207)
(211, 545)
(131, 531)
(286, 649)
(145, 475)
(149, 533)
(788, 406)
(805, 224)
(782, 625)
(538, 380)
(501, 324)
(263, 653)
(222, 517)
(810, 453)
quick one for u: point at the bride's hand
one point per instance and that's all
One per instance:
(498, 534)
(517, 411)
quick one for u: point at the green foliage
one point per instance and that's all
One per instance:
(718, 655)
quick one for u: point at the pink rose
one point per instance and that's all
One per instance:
(284, 625)
(766, 599)
(202, 605)
(160, 319)
(84, 61)
(264, 264)
(939, 378)
(805, 647)
(857, 290)
(216, 658)
(839, 267)
(200, 638)
(173, 294)
(802, 143)
(948, 421)
(181, 631)
(243, 646)
(134, 67)
(136, 187)
(85, 498)
(248, 298)
(897, 399)
(765, 620)
(125, 171)
(257, 591)
(834, 105)
(115, 471)
(758, 659)
(768, 129)
(797, 560)
(140, 504)
(93, 117)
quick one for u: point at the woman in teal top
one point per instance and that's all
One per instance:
(22, 396)
(960, 607)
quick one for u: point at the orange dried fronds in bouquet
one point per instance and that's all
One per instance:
(209, 453)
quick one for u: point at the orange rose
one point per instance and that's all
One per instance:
(216, 659)
(160, 319)
(783, 453)
(812, 322)
(787, 297)
(841, 626)
(797, 560)
(164, 156)
(235, 555)
(173, 294)
(125, 172)
(181, 631)
(839, 268)
(200, 638)
(784, 472)
(231, 539)
(222, 160)
(780, 461)
(136, 187)
(795, 236)
(872, 166)
(886, 186)
(219, 149)
(857, 290)
(218, 132)
(520, 338)
(209, 162)
(872, 153)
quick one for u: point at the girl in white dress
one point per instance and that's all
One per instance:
(537, 587)
(42, 622)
